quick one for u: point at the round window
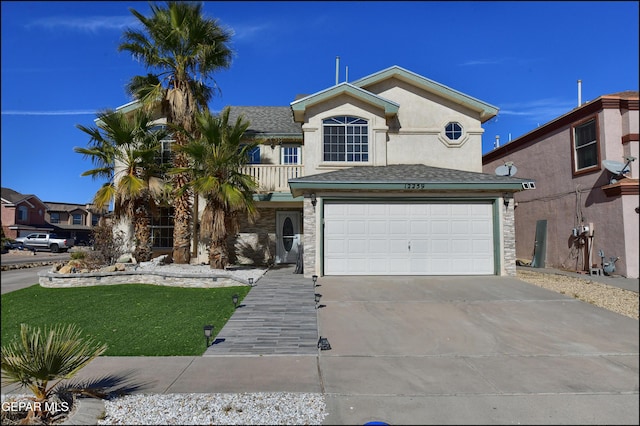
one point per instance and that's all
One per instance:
(453, 131)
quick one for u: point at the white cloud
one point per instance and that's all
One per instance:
(540, 110)
(85, 24)
(248, 32)
(61, 112)
(483, 62)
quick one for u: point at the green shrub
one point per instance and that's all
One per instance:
(78, 255)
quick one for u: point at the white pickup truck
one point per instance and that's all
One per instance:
(46, 241)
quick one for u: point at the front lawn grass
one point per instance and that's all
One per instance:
(133, 319)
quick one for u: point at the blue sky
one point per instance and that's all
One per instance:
(60, 65)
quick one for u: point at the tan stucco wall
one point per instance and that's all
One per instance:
(420, 138)
(415, 136)
(342, 105)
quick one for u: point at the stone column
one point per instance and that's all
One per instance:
(309, 214)
(509, 238)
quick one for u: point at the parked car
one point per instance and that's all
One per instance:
(46, 241)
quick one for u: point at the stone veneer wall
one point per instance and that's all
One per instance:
(509, 238)
(256, 244)
(309, 237)
(57, 280)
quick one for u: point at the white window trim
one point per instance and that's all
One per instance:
(282, 154)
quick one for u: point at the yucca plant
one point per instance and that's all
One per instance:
(39, 360)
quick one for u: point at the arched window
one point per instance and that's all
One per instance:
(345, 139)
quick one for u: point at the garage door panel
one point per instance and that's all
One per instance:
(461, 246)
(378, 227)
(356, 228)
(460, 227)
(378, 246)
(408, 238)
(440, 226)
(419, 227)
(357, 245)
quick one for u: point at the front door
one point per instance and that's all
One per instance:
(287, 236)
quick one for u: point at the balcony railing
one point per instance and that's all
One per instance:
(273, 178)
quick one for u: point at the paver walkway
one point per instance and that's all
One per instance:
(277, 317)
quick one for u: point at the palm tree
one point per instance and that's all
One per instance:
(183, 49)
(125, 150)
(39, 360)
(216, 157)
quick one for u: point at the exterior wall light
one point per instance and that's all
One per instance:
(314, 201)
(506, 197)
(208, 331)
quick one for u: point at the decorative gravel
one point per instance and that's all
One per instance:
(276, 408)
(621, 301)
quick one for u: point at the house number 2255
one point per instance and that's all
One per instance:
(414, 186)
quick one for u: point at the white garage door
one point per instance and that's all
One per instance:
(408, 239)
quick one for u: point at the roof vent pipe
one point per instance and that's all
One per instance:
(346, 77)
(337, 68)
(579, 92)
(496, 144)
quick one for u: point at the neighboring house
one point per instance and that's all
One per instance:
(382, 175)
(72, 220)
(22, 214)
(586, 207)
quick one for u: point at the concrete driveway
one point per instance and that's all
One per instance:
(472, 350)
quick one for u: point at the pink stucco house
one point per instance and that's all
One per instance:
(587, 208)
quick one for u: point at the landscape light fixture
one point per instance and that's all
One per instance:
(251, 281)
(235, 300)
(208, 331)
(323, 344)
(317, 297)
(315, 280)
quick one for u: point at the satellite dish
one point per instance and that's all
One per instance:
(616, 167)
(508, 169)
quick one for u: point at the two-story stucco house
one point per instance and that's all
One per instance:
(585, 207)
(380, 176)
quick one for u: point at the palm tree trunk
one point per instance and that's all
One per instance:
(143, 251)
(182, 216)
(218, 256)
